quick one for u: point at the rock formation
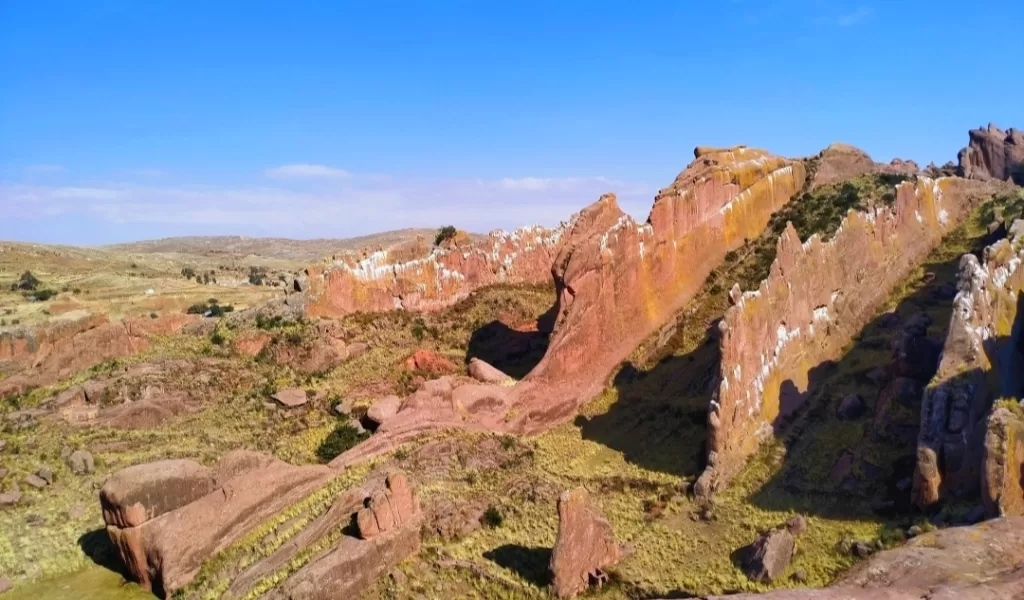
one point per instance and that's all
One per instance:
(585, 545)
(619, 280)
(447, 275)
(48, 353)
(982, 562)
(982, 361)
(993, 154)
(165, 518)
(840, 162)
(388, 509)
(817, 297)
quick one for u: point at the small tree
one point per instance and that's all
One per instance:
(27, 282)
(444, 234)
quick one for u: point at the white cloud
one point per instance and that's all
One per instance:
(339, 208)
(303, 171)
(149, 172)
(535, 184)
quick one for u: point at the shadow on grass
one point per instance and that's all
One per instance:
(529, 563)
(97, 546)
(514, 352)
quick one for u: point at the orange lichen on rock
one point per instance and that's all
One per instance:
(619, 280)
(817, 296)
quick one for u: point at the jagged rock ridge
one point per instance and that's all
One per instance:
(817, 297)
(962, 445)
(448, 274)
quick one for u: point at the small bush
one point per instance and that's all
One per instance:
(343, 437)
(43, 295)
(188, 272)
(153, 315)
(492, 517)
(217, 339)
(444, 234)
(197, 309)
(27, 282)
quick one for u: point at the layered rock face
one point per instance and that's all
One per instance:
(961, 448)
(993, 154)
(165, 518)
(982, 562)
(619, 280)
(817, 297)
(379, 282)
(48, 353)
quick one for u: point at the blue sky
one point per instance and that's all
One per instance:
(131, 120)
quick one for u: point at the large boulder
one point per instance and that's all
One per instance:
(585, 545)
(384, 409)
(767, 558)
(840, 162)
(136, 494)
(485, 373)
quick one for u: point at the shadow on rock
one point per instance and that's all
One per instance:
(529, 563)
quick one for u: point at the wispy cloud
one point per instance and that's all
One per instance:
(343, 206)
(305, 171)
(148, 172)
(856, 17)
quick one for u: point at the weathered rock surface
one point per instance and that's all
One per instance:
(46, 354)
(993, 154)
(839, 162)
(136, 494)
(585, 545)
(163, 538)
(382, 410)
(431, 362)
(388, 509)
(290, 397)
(379, 282)
(1002, 477)
(485, 373)
(618, 282)
(817, 297)
(81, 462)
(982, 361)
(769, 556)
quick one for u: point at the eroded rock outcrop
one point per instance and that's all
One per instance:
(48, 353)
(164, 525)
(378, 282)
(619, 280)
(993, 154)
(982, 562)
(840, 162)
(817, 297)
(982, 361)
(585, 546)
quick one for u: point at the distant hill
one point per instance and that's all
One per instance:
(281, 248)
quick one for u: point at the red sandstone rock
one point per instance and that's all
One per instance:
(388, 509)
(134, 495)
(839, 162)
(980, 364)
(382, 410)
(251, 344)
(993, 154)
(48, 353)
(168, 548)
(291, 397)
(430, 362)
(817, 297)
(485, 373)
(585, 545)
(381, 282)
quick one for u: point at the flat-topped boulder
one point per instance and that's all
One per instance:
(136, 494)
